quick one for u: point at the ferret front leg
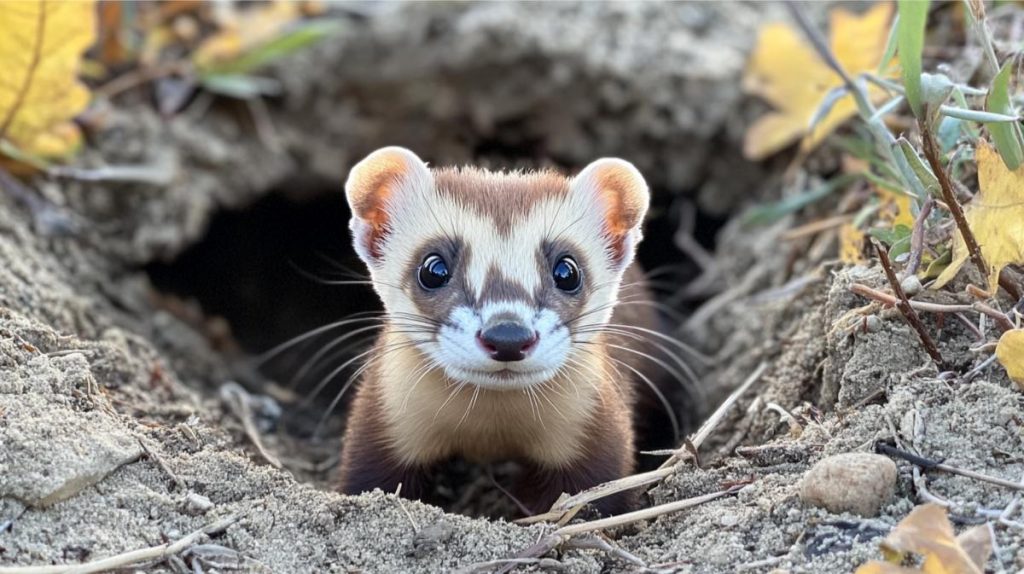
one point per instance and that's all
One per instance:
(606, 454)
(541, 486)
(367, 459)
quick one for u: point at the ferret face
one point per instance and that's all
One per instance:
(499, 279)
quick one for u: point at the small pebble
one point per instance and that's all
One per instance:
(911, 285)
(860, 483)
(729, 519)
(873, 323)
(197, 503)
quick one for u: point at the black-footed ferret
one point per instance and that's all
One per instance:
(499, 290)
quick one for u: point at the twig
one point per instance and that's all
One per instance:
(927, 463)
(1001, 319)
(908, 311)
(128, 558)
(509, 563)
(931, 152)
(237, 400)
(892, 301)
(705, 430)
(598, 543)
(644, 514)
(162, 464)
(398, 497)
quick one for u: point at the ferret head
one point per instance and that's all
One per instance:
(498, 278)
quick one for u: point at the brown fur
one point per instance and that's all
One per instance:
(586, 438)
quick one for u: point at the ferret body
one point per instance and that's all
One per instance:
(499, 340)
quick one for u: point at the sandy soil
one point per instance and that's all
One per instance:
(113, 436)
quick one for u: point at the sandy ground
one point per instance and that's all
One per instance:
(113, 436)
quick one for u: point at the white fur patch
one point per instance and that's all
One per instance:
(465, 360)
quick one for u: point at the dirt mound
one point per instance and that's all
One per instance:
(113, 434)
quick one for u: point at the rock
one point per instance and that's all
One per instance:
(196, 504)
(54, 441)
(911, 285)
(854, 482)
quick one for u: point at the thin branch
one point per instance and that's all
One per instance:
(644, 514)
(927, 464)
(931, 153)
(126, 559)
(908, 311)
(892, 301)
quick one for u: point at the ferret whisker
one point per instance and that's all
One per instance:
(382, 350)
(458, 386)
(420, 373)
(691, 375)
(673, 420)
(277, 350)
(309, 363)
(688, 349)
(351, 380)
(469, 407)
(313, 277)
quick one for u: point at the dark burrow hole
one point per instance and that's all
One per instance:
(270, 270)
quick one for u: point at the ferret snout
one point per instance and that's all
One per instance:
(507, 341)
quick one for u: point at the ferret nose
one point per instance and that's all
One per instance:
(507, 341)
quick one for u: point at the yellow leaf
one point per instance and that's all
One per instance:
(927, 531)
(1010, 352)
(995, 215)
(787, 72)
(41, 48)
(245, 32)
(851, 242)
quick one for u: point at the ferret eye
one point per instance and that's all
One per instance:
(567, 275)
(433, 272)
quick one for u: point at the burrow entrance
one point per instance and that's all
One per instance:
(284, 267)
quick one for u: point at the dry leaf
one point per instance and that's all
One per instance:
(41, 48)
(995, 215)
(246, 31)
(787, 72)
(1010, 353)
(851, 242)
(928, 532)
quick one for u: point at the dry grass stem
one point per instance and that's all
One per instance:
(123, 561)
(640, 515)
(931, 153)
(237, 400)
(705, 430)
(892, 301)
(162, 464)
(908, 311)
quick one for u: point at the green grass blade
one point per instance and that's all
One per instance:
(1006, 136)
(910, 43)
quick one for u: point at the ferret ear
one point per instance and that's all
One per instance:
(374, 185)
(618, 189)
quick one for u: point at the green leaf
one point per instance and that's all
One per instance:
(240, 86)
(770, 213)
(1006, 136)
(898, 239)
(910, 41)
(923, 173)
(977, 115)
(301, 36)
(890, 48)
(949, 133)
